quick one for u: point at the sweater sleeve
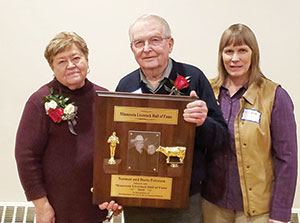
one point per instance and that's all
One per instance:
(284, 149)
(31, 140)
(213, 134)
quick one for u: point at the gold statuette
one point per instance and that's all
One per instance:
(113, 140)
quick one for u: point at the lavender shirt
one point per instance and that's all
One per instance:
(284, 150)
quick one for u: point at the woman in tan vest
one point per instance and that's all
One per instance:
(262, 165)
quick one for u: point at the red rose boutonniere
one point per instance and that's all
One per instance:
(57, 108)
(180, 83)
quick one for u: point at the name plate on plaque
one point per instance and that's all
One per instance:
(143, 150)
(141, 187)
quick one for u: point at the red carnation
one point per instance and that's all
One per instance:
(56, 114)
(181, 83)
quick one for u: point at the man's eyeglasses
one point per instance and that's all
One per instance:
(153, 41)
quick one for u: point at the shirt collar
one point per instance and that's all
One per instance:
(166, 74)
(249, 93)
(239, 93)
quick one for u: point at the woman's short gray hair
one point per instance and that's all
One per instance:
(62, 41)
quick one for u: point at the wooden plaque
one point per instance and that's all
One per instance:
(143, 150)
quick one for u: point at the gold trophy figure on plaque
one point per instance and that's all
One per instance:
(113, 140)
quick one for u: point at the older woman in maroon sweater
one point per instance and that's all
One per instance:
(54, 145)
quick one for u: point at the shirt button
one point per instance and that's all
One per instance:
(244, 144)
(250, 189)
(248, 166)
(253, 211)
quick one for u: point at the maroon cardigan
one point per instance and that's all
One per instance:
(53, 162)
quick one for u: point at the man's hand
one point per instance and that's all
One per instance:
(196, 111)
(44, 211)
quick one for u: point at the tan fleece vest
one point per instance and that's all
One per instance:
(253, 146)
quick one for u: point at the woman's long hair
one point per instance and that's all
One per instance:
(239, 34)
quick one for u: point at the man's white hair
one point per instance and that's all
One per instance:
(162, 21)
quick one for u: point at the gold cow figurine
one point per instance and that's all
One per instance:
(175, 151)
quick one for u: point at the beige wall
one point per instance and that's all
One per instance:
(27, 26)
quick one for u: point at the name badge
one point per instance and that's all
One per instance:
(251, 115)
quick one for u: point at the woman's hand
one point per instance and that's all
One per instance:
(44, 211)
(196, 111)
(111, 206)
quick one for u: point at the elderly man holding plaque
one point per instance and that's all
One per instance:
(151, 43)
